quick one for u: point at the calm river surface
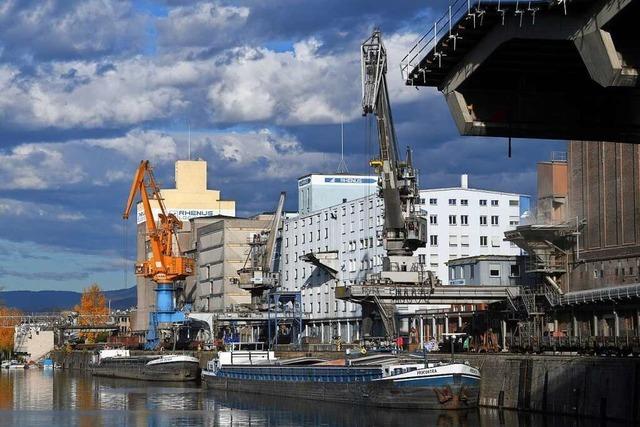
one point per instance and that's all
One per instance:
(64, 398)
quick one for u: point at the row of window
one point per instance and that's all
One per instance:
(365, 243)
(333, 214)
(337, 306)
(464, 241)
(464, 220)
(465, 202)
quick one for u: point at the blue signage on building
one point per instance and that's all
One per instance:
(345, 180)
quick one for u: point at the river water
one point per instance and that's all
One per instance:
(66, 398)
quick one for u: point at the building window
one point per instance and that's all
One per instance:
(286, 258)
(452, 220)
(286, 275)
(286, 242)
(311, 236)
(453, 240)
(494, 203)
(326, 233)
(353, 208)
(422, 201)
(433, 202)
(464, 220)
(483, 220)
(295, 273)
(433, 219)
(515, 270)
(472, 271)
(452, 202)
(303, 238)
(514, 223)
(464, 240)
(514, 202)
(295, 240)
(496, 241)
(484, 241)
(494, 270)
(464, 202)
(433, 240)
(326, 307)
(326, 216)
(494, 219)
(483, 202)
(422, 258)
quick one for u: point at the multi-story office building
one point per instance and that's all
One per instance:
(350, 232)
(465, 222)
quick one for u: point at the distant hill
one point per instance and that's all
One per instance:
(46, 301)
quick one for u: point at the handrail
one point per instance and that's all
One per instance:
(443, 27)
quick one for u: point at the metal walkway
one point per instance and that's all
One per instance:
(423, 295)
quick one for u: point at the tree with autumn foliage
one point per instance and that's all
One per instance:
(7, 328)
(92, 310)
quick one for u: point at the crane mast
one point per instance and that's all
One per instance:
(403, 230)
(166, 264)
(260, 271)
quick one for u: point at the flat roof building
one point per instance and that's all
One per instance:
(319, 191)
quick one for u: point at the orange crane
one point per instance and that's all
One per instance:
(164, 266)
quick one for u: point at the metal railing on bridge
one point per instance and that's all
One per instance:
(446, 28)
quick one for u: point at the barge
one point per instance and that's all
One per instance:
(390, 384)
(120, 364)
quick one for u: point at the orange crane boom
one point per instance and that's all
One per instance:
(164, 266)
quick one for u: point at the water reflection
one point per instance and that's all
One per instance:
(65, 398)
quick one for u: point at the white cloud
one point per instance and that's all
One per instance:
(37, 166)
(267, 154)
(42, 166)
(207, 24)
(136, 145)
(292, 87)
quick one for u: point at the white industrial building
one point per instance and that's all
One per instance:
(465, 222)
(462, 222)
(349, 231)
(318, 191)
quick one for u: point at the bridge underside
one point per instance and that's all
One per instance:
(539, 73)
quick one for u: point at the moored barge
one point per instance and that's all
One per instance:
(445, 385)
(170, 367)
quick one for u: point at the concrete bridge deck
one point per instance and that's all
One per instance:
(543, 69)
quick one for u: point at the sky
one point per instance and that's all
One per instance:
(91, 87)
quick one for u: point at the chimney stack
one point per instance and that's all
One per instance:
(464, 181)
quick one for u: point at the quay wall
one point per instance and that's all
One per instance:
(601, 387)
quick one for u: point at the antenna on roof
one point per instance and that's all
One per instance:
(342, 167)
(189, 139)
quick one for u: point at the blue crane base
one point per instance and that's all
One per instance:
(165, 313)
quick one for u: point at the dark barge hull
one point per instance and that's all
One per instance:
(384, 394)
(175, 371)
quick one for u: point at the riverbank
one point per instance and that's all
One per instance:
(602, 387)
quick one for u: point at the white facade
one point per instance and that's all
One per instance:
(464, 222)
(348, 228)
(353, 230)
(318, 191)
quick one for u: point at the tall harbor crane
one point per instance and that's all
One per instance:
(404, 229)
(166, 264)
(260, 271)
